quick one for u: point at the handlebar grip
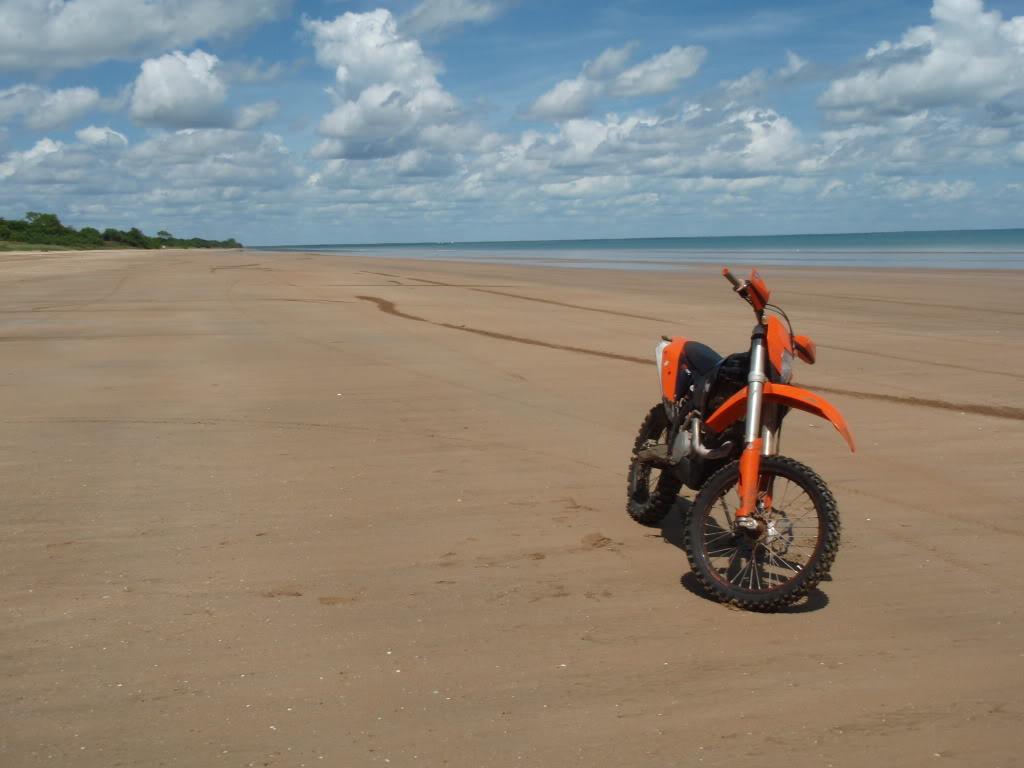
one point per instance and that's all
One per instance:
(729, 276)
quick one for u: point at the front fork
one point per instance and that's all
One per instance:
(761, 437)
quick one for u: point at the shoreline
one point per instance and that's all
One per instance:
(540, 262)
(634, 261)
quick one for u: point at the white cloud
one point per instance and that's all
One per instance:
(42, 109)
(432, 16)
(178, 90)
(588, 186)
(257, 114)
(753, 84)
(101, 136)
(388, 88)
(255, 71)
(944, 191)
(660, 74)
(794, 64)
(193, 177)
(17, 161)
(987, 137)
(832, 187)
(771, 138)
(57, 34)
(606, 75)
(610, 63)
(210, 157)
(749, 86)
(1018, 152)
(569, 98)
(931, 141)
(697, 151)
(367, 49)
(422, 163)
(966, 57)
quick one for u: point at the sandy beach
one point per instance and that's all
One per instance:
(286, 509)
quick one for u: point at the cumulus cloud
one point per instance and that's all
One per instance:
(213, 156)
(193, 176)
(967, 57)
(747, 142)
(179, 90)
(367, 49)
(42, 110)
(101, 136)
(59, 34)
(34, 157)
(388, 93)
(607, 75)
(433, 16)
(399, 156)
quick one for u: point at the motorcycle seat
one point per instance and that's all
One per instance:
(701, 358)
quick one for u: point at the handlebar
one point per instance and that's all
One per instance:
(752, 291)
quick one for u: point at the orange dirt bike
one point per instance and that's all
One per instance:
(764, 529)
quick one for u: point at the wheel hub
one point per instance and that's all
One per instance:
(779, 533)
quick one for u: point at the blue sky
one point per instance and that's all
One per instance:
(313, 122)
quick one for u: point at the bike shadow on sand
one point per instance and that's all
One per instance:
(672, 533)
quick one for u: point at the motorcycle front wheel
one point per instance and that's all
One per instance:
(650, 491)
(791, 551)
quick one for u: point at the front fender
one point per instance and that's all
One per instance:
(735, 408)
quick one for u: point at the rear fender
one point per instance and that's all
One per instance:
(735, 408)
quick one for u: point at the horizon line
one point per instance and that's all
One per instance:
(623, 239)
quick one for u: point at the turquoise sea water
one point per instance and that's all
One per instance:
(957, 249)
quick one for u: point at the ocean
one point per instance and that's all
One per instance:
(953, 249)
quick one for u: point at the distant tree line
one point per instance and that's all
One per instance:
(46, 229)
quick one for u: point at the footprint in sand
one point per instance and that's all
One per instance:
(599, 541)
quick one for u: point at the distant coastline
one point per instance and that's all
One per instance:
(942, 249)
(45, 232)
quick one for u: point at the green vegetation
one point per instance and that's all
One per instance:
(45, 229)
(14, 245)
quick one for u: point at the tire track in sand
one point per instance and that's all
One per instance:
(389, 307)
(616, 313)
(997, 411)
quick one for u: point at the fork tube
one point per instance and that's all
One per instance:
(755, 386)
(770, 429)
(750, 460)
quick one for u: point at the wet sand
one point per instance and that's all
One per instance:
(285, 509)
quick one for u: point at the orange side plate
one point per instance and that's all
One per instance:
(735, 408)
(671, 361)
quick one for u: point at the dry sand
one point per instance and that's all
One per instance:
(295, 510)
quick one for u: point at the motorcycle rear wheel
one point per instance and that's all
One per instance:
(792, 551)
(651, 491)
